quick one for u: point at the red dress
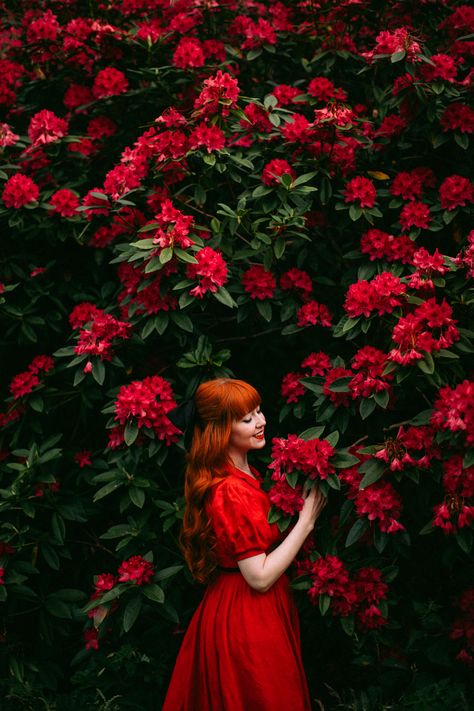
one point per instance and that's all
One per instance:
(241, 651)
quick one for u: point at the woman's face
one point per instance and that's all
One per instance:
(248, 433)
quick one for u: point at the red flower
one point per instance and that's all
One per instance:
(174, 227)
(382, 294)
(220, 90)
(323, 89)
(65, 202)
(188, 53)
(41, 363)
(398, 40)
(381, 245)
(45, 27)
(285, 94)
(211, 137)
(291, 388)
(370, 363)
(259, 283)
(284, 497)
(313, 313)
(311, 457)
(415, 214)
(211, 272)
(105, 582)
(91, 638)
(456, 191)
(380, 502)
(7, 137)
(317, 363)
(444, 68)
(83, 458)
(2, 575)
(297, 130)
(147, 403)
(101, 127)
(45, 127)
(109, 82)
(19, 190)
(83, 313)
(77, 95)
(336, 398)
(137, 570)
(408, 185)
(297, 279)
(23, 383)
(361, 189)
(274, 170)
(458, 117)
(370, 618)
(454, 409)
(96, 337)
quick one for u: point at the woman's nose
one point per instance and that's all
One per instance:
(261, 417)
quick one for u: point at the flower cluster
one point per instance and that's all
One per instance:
(313, 313)
(380, 502)
(286, 498)
(210, 271)
(259, 283)
(454, 410)
(429, 328)
(97, 335)
(462, 628)
(455, 512)
(310, 457)
(383, 294)
(23, 383)
(359, 595)
(382, 245)
(146, 403)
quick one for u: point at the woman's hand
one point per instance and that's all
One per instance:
(312, 507)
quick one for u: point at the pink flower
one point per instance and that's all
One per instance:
(109, 82)
(65, 202)
(137, 570)
(456, 191)
(274, 170)
(19, 190)
(211, 272)
(259, 283)
(360, 189)
(7, 137)
(45, 127)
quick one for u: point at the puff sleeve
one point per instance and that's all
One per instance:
(238, 515)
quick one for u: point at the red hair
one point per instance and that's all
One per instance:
(218, 403)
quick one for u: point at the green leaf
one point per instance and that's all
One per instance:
(340, 385)
(58, 527)
(137, 496)
(131, 612)
(168, 572)
(333, 438)
(224, 297)
(343, 460)
(185, 256)
(264, 308)
(334, 481)
(348, 624)
(324, 603)
(154, 592)
(374, 470)
(98, 371)
(106, 490)
(357, 531)
(183, 321)
(468, 460)
(312, 433)
(426, 365)
(166, 255)
(398, 56)
(366, 407)
(130, 433)
(382, 398)
(274, 515)
(292, 479)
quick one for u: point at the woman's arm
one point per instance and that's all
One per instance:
(261, 571)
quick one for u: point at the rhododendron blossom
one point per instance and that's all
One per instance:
(23, 383)
(456, 191)
(109, 82)
(454, 409)
(96, 337)
(383, 294)
(381, 245)
(275, 169)
(221, 90)
(136, 570)
(310, 457)
(259, 283)
(65, 202)
(312, 313)
(210, 271)
(147, 402)
(291, 388)
(45, 127)
(19, 190)
(285, 498)
(362, 190)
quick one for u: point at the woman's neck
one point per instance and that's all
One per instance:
(240, 461)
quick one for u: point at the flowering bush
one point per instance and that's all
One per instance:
(275, 190)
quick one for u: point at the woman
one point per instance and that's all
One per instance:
(241, 651)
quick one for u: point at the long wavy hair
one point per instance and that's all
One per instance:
(218, 403)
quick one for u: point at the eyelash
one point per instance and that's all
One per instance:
(250, 420)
